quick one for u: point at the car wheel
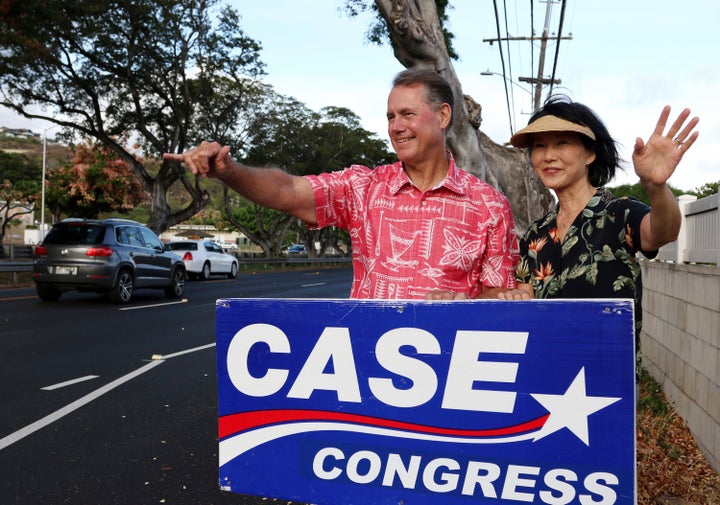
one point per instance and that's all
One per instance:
(122, 291)
(233, 270)
(205, 274)
(47, 293)
(177, 284)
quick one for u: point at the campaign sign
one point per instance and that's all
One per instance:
(361, 402)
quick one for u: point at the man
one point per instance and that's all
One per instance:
(420, 228)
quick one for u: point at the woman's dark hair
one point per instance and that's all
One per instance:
(437, 89)
(607, 160)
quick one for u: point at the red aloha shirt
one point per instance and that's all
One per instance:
(457, 236)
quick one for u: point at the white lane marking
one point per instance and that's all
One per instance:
(184, 300)
(313, 284)
(70, 382)
(180, 353)
(58, 414)
(71, 407)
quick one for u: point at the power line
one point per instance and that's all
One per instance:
(539, 81)
(557, 45)
(502, 61)
(511, 98)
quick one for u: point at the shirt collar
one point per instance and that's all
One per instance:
(596, 205)
(452, 180)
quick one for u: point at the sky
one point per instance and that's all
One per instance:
(625, 60)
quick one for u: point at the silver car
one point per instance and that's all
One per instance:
(112, 256)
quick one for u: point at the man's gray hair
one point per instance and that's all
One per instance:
(437, 89)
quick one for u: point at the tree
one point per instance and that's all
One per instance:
(264, 226)
(638, 192)
(13, 204)
(343, 142)
(19, 188)
(146, 70)
(707, 189)
(286, 134)
(419, 41)
(96, 181)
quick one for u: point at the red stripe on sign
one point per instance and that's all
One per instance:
(236, 423)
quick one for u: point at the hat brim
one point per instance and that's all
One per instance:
(549, 123)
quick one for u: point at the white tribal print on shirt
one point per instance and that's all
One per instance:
(458, 236)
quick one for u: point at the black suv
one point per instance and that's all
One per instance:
(113, 256)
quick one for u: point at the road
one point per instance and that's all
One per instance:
(107, 404)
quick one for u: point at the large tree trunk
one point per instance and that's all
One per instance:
(418, 42)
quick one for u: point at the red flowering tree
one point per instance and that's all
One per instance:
(95, 181)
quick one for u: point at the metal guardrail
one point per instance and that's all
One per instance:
(294, 261)
(27, 266)
(16, 266)
(12, 265)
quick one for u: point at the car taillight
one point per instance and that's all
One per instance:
(99, 251)
(187, 256)
(41, 250)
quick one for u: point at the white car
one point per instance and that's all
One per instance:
(226, 245)
(203, 258)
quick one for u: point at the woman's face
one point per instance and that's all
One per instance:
(561, 160)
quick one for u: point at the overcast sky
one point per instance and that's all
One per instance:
(626, 60)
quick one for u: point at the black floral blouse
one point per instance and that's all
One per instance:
(596, 259)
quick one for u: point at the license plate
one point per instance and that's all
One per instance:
(66, 270)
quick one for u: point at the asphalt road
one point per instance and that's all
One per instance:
(107, 404)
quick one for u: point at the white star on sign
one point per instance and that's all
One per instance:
(571, 410)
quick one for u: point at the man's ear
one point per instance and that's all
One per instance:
(445, 112)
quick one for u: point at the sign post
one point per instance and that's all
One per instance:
(343, 402)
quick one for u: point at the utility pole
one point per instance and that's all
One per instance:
(539, 81)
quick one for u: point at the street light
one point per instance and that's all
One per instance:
(42, 189)
(509, 97)
(488, 72)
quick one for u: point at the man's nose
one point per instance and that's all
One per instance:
(396, 124)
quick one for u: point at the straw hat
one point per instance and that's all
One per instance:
(549, 123)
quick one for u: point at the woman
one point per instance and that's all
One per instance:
(585, 247)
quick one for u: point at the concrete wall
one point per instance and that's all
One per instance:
(681, 344)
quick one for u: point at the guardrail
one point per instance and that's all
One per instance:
(27, 266)
(12, 265)
(294, 261)
(16, 266)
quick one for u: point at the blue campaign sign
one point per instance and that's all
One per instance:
(344, 402)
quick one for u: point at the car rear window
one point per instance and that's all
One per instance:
(76, 234)
(182, 246)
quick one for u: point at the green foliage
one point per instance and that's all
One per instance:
(163, 72)
(23, 173)
(637, 191)
(263, 226)
(652, 400)
(707, 189)
(341, 141)
(20, 185)
(288, 135)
